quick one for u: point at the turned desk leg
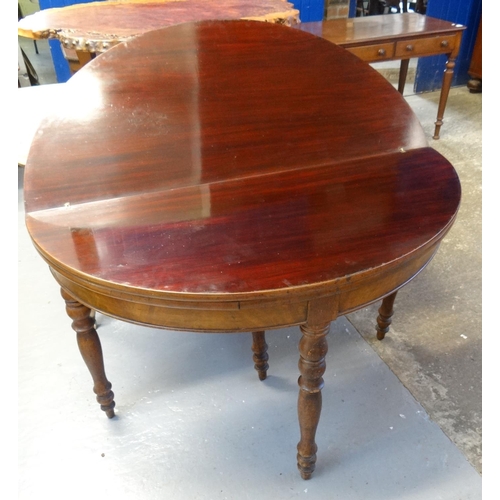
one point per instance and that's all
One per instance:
(403, 72)
(260, 356)
(445, 90)
(385, 313)
(91, 351)
(312, 348)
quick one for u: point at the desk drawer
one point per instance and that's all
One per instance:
(424, 46)
(373, 53)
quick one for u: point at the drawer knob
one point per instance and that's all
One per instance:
(381, 52)
(445, 43)
(409, 48)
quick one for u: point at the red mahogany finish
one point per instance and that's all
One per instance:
(234, 176)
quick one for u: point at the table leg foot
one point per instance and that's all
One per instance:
(475, 85)
(385, 313)
(260, 356)
(91, 351)
(312, 348)
(437, 129)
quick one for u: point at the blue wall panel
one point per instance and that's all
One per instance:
(352, 8)
(310, 10)
(429, 74)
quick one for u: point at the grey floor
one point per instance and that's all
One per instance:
(401, 418)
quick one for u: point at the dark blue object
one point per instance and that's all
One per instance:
(429, 74)
(352, 8)
(310, 10)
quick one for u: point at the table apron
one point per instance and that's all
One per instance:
(386, 50)
(347, 294)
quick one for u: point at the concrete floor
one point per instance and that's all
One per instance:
(435, 347)
(401, 418)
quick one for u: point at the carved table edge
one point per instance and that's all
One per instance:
(89, 41)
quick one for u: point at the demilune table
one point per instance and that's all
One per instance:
(229, 176)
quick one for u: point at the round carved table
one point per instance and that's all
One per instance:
(97, 26)
(229, 176)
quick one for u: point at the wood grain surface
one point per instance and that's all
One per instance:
(250, 171)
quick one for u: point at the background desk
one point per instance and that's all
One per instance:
(396, 37)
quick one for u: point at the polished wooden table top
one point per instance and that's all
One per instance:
(234, 176)
(97, 26)
(205, 138)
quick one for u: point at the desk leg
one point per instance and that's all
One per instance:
(445, 90)
(403, 72)
(260, 356)
(312, 348)
(91, 351)
(385, 313)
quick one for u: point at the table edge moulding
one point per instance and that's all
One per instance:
(220, 183)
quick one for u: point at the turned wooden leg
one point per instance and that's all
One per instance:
(312, 348)
(91, 351)
(385, 313)
(260, 356)
(445, 90)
